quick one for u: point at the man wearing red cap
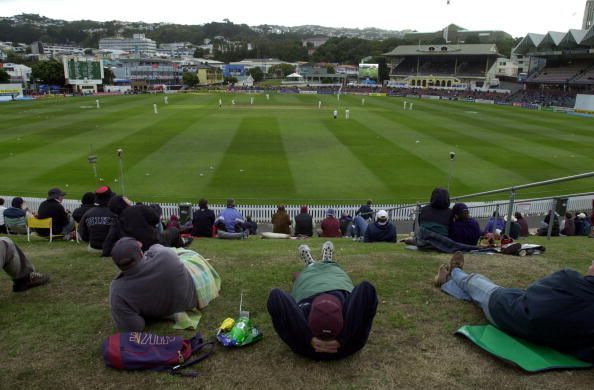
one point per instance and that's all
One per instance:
(325, 317)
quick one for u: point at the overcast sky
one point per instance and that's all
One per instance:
(516, 17)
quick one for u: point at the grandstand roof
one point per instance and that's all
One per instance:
(551, 40)
(589, 37)
(486, 49)
(572, 38)
(530, 41)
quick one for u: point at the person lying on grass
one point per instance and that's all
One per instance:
(157, 284)
(325, 317)
(18, 267)
(556, 311)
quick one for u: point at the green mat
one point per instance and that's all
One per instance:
(526, 355)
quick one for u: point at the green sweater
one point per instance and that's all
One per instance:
(321, 277)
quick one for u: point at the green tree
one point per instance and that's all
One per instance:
(330, 69)
(256, 74)
(4, 77)
(281, 70)
(108, 76)
(48, 72)
(190, 79)
(199, 52)
(230, 80)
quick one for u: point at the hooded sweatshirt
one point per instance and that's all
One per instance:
(377, 232)
(437, 216)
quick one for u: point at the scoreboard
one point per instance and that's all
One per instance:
(83, 71)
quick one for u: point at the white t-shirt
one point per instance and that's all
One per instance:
(2, 208)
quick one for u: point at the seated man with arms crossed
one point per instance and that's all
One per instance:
(325, 317)
(556, 311)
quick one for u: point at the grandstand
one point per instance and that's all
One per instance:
(559, 62)
(447, 66)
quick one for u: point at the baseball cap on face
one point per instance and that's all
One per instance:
(325, 317)
(382, 217)
(126, 253)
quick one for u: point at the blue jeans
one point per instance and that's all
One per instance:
(478, 287)
(360, 225)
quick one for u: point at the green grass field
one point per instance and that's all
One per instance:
(285, 149)
(51, 336)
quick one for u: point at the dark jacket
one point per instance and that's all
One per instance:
(467, 231)
(569, 229)
(437, 216)
(380, 233)
(557, 311)
(51, 208)
(78, 213)
(14, 212)
(524, 232)
(202, 223)
(514, 230)
(95, 224)
(365, 211)
(139, 222)
(303, 225)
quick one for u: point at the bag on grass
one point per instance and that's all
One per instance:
(146, 351)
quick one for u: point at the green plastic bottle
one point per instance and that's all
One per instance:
(241, 329)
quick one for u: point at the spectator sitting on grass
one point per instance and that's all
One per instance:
(303, 223)
(365, 211)
(494, 223)
(232, 220)
(250, 226)
(203, 220)
(556, 311)
(95, 223)
(88, 202)
(464, 229)
(281, 223)
(18, 267)
(325, 317)
(524, 232)
(330, 226)
(514, 227)
(2, 208)
(182, 285)
(582, 225)
(436, 217)
(346, 224)
(543, 230)
(382, 230)
(62, 222)
(568, 228)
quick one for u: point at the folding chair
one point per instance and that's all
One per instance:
(15, 225)
(36, 223)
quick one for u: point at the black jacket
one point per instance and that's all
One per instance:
(303, 225)
(202, 223)
(437, 215)
(139, 222)
(51, 208)
(95, 225)
(380, 233)
(557, 311)
(78, 213)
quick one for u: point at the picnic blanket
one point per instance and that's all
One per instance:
(521, 353)
(206, 281)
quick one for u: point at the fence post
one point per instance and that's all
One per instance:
(510, 210)
(551, 219)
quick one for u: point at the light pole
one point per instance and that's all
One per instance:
(120, 153)
(452, 166)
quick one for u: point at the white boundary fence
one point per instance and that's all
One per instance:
(263, 213)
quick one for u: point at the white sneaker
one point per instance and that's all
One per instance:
(305, 254)
(327, 251)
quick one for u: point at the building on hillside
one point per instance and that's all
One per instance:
(313, 43)
(349, 70)
(244, 81)
(209, 75)
(83, 74)
(3, 56)
(55, 50)
(263, 63)
(445, 66)
(588, 15)
(138, 44)
(146, 73)
(506, 68)
(19, 74)
(457, 34)
(176, 49)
